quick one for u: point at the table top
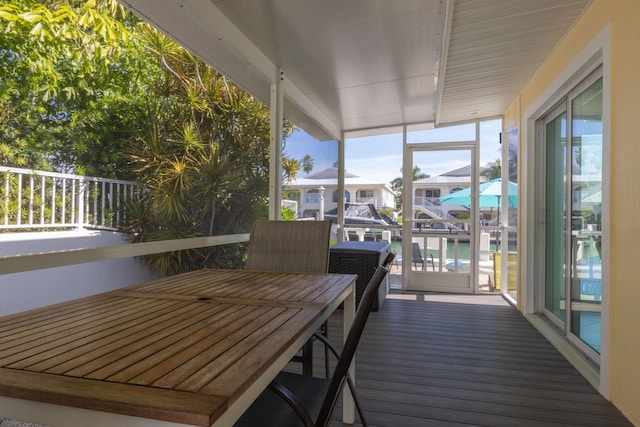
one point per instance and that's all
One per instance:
(180, 349)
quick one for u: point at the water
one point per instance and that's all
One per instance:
(463, 250)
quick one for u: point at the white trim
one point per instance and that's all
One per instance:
(596, 53)
(275, 148)
(341, 185)
(36, 261)
(407, 206)
(440, 72)
(462, 282)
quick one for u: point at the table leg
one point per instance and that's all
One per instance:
(307, 358)
(348, 406)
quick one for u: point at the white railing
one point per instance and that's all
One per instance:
(32, 199)
(375, 201)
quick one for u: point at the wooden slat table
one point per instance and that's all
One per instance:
(192, 349)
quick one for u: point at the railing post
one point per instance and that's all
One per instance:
(19, 207)
(6, 198)
(31, 189)
(53, 201)
(82, 188)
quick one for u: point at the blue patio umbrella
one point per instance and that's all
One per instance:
(489, 195)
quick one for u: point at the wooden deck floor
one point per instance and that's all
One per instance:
(456, 360)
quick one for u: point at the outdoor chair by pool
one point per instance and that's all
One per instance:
(294, 400)
(416, 256)
(291, 247)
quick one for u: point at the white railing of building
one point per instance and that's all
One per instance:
(375, 201)
(33, 199)
(435, 209)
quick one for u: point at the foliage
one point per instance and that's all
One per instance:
(492, 170)
(288, 214)
(89, 89)
(396, 184)
(68, 93)
(289, 193)
(307, 163)
(204, 160)
(290, 168)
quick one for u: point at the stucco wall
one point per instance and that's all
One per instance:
(622, 16)
(24, 291)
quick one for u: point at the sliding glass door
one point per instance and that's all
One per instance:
(555, 230)
(572, 183)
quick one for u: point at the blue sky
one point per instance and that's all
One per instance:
(380, 157)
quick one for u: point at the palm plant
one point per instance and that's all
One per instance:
(204, 161)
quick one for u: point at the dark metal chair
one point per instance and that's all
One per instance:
(294, 400)
(416, 255)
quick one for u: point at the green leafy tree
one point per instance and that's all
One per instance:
(492, 170)
(396, 183)
(88, 88)
(69, 97)
(307, 163)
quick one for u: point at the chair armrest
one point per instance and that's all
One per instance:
(292, 401)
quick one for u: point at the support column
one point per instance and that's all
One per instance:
(275, 149)
(340, 197)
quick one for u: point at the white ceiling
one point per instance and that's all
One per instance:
(354, 65)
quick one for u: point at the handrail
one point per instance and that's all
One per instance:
(35, 261)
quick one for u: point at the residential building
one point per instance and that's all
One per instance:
(357, 190)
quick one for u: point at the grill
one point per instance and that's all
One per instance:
(361, 258)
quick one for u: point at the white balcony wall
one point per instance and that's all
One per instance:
(32, 289)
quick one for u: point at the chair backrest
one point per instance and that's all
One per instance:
(388, 260)
(416, 253)
(351, 343)
(289, 246)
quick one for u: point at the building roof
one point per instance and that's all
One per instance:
(460, 176)
(329, 177)
(330, 173)
(444, 179)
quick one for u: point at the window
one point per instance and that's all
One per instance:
(365, 194)
(347, 196)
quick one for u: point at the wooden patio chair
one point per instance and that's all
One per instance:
(294, 400)
(292, 247)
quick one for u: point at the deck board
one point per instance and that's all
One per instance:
(465, 360)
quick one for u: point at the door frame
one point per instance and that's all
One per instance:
(411, 280)
(596, 53)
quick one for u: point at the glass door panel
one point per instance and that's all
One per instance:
(555, 252)
(572, 182)
(586, 199)
(442, 235)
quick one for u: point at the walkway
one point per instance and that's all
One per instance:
(457, 360)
